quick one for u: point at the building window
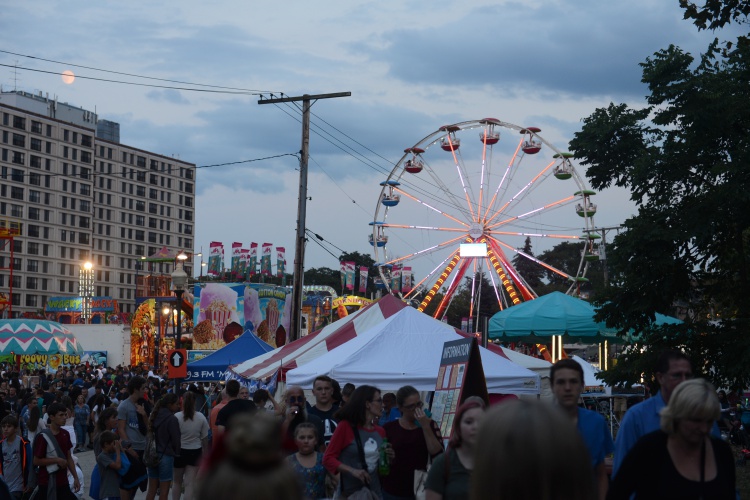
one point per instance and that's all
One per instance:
(16, 193)
(32, 248)
(18, 158)
(31, 282)
(16, 174)
(35, 179)
(33, 231)
(19, 122)
(16, 211)
(33, 213)
(32, 266)
(36, 127)
(86, 140)
(35, 196)
(36, 144)
(35, 161)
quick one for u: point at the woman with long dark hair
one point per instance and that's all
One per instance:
(356, 440)
(163, 424)
(450, 472)
(193, 443)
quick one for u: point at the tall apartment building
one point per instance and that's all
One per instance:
(83, 197)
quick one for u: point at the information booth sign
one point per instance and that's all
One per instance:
(460, 376)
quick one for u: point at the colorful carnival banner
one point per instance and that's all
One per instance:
(396, 279)
(253, 259)
(244, 262)
(215, 258)
(265, 259)
(236, 253)
(406, 279)
(363, 272)
(349, 275)
(280, 261)
(223, 311)
(343, 275)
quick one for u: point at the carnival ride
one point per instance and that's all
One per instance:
(488, 182)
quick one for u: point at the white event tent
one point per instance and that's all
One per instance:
(405, 349)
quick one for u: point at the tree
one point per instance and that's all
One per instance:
(688, 170)
(531, 272)
(360, 260)
(566, 257)
(716, 13)
(323, 276)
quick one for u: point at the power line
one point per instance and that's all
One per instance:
(143, 84)
(127, 74)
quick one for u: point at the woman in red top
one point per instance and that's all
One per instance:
(342, 455)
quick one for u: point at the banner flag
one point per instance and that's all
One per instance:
(396, 279)
(265, 259)
(343, 276)
(215, 258)
(363, 272)
(252, 263)
(244, 261)
(350, 275)
(280, 261)
(406, 279)
(236, 252)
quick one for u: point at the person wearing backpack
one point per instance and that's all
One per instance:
(165, 432)
(15, 458)
(52, 456)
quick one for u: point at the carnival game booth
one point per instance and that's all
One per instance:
(388, 344)
(38, 344)
(214, 366)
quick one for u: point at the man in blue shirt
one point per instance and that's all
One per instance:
(566, 377)
(672, 368)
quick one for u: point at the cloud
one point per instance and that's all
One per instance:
(172, 96)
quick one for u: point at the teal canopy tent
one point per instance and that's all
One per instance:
(31, 336)
(556, 314)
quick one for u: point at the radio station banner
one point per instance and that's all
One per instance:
(280, 261)
(265, 259)
(363, 273)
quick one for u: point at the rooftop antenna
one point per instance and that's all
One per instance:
(15, 76)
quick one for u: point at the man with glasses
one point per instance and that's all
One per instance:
(672, 368)
(294, 414)
(324, 407)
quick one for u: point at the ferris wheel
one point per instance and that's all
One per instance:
(462, 201)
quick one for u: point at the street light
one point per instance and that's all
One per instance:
(179, 279)
(86, 290)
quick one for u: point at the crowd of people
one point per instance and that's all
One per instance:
(353, 442)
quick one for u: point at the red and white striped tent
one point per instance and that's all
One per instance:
(297, 353)
(406, 329)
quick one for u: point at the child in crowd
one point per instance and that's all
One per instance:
(308, 463)
(109, 462)
(15, 459)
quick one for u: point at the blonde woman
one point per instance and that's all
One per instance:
(683, 459)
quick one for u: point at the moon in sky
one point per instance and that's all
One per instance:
(68, 77)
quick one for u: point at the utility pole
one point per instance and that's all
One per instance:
(299, 244)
